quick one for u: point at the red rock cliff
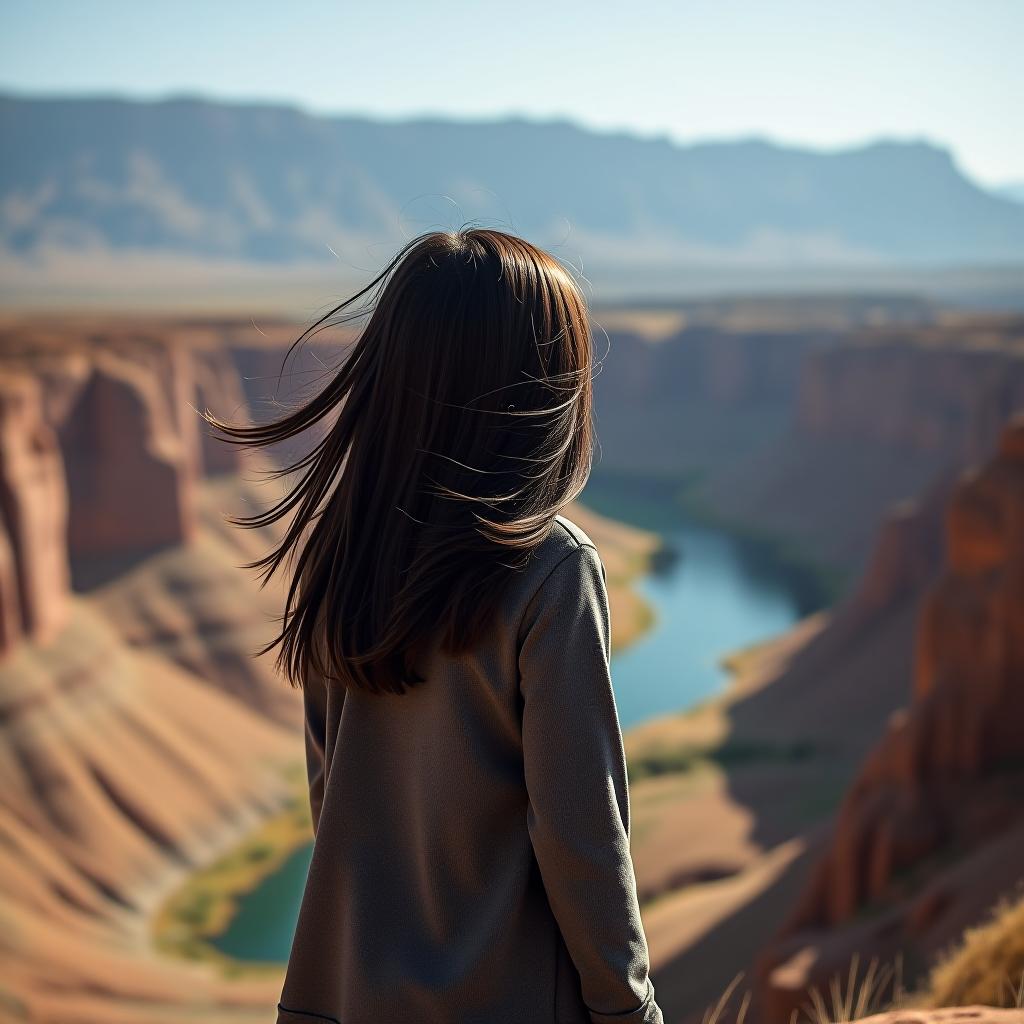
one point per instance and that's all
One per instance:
(121, 403)
(33, 515)
(942, 786)
(130, 472)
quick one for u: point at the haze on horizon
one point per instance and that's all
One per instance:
(793, 71)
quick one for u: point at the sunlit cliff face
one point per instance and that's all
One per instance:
(944, 775)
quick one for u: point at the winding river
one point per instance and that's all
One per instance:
(712, 593)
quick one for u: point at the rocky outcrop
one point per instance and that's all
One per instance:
(123, 399)
(130, 472)
(945, 779)
(33, 517)
(949, 1015)
(905, 559)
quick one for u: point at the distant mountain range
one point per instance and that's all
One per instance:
(1012, 190)
(273, 185)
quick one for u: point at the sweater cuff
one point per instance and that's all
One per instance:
(646, 1013)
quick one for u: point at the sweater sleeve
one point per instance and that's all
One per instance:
(314, 702)
(575, 770)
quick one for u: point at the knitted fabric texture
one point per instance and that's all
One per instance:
(471, 862)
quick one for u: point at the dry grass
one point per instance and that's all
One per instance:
(853, 997)
(848, 998)
(987, 968)
(713, 1014)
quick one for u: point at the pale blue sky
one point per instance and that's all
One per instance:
(824, 73)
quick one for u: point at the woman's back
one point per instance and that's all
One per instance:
(471, 861)
(450, 631)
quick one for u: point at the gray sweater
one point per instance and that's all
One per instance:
(471, 862)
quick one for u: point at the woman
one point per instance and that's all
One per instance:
(449, 628)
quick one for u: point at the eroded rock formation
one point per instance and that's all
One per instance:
(33, 517)
(119, 403)
(131, 472)
(941, 790)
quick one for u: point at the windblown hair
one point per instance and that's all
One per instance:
(457, 427)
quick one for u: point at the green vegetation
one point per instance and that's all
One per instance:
(12, 1006)
(669, 760)
(203, 906)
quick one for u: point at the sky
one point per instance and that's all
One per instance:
(825, 74)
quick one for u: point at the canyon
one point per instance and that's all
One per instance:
(127, 631)
(820, 414)
(139, 736)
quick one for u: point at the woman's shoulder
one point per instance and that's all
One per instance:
(564, 571)
(565, 541)
(571, 534)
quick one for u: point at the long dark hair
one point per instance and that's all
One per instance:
(454, 431)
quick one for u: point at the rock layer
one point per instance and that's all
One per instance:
(33, 517)
(121, 774)
(944, 781)
(130, 471)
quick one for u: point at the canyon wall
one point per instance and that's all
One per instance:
(139, 735)
(884, 416)
(706, 363)
(131, 468)
(945, 388)
(820, 416)
(681, 407)
(33, 517)
(102, 447)
(927, 836)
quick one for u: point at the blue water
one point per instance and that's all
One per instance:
(708, 602)
(712, 594)
(264, 924)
